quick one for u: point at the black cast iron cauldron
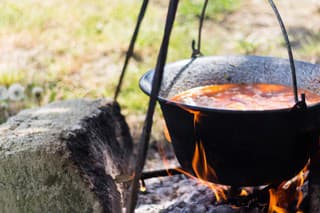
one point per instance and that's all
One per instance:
(245, 148)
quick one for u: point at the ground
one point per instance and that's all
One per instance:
(76, 48)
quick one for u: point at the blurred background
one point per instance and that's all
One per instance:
(55, 49)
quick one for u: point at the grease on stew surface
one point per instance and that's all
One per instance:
(243, 96)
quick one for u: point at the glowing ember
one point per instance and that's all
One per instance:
(143, 188)
(243, 96)
(244, 192)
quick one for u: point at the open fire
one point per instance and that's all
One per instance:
(288, 193)
(282, 198)
(244, 133)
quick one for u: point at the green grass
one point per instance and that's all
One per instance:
(215, 10)
(311, 48)
(9, 76)
(73, 34)
(73, 38)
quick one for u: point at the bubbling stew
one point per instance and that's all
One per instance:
(243, 96)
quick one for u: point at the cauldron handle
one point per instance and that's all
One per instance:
(196, 51)
(288, 44)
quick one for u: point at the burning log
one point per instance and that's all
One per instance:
(64, 157)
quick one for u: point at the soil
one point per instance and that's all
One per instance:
(256, 24)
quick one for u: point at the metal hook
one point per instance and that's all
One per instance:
(197, 51)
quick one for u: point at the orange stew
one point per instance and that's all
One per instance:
(243, 96)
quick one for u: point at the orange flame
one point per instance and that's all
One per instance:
(205, 172)
(166, 132)
(287, 193)
(301, 179)
(163, 156)
(196, 118)
(200, 166)
(275, 201)
(280, 198)
(196, 114)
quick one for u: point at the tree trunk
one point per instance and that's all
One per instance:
(64, 157)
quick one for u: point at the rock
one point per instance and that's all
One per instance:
(64, 157)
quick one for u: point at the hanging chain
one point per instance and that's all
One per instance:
(196, 51)
(156, 84)
(131, 47)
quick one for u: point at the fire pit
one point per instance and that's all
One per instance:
(241, 148)
(231, 147)
(179, 193)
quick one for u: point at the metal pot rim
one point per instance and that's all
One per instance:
(210, 109)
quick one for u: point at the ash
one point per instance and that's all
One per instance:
(178, 194)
